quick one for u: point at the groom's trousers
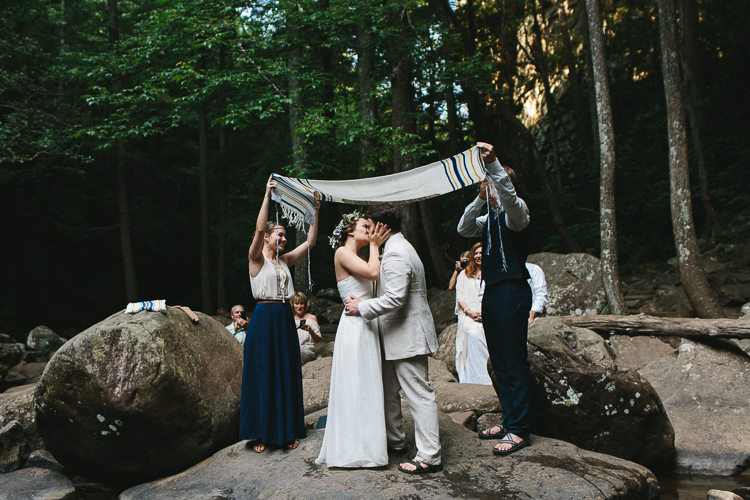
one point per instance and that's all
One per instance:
(411, 376)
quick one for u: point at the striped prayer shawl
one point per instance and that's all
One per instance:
(297, 200)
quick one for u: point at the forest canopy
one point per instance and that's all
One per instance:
(136, 138)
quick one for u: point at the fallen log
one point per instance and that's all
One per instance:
(644, 324)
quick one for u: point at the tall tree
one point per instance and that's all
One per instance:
(694, 281)
(589, 72)
(402, 102)
(296, 111)
(607, 211)
(126, 245)
(695, 89)
(367, 103)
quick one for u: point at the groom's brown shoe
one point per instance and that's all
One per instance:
(397, 451)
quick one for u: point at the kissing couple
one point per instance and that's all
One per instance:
(385, 303)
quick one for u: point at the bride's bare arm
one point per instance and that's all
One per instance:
(353, 264)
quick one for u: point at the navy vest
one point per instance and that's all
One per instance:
(514, 246)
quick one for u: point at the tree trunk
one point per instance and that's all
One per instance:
(433, 242)
(205, 257)
(126, 247)
(700, 294)
(221, 289)
(540, 62)
(695, 89)
(450, 105)
(402, 98)
(367, 103)
(607, 211)
(590, 73)
(673, 327)
(301, 282)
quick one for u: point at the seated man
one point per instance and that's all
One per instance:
(238, 327)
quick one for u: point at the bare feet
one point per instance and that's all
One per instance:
(292, 444)
(411, 467)
(259, 447)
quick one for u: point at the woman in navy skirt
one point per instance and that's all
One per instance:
(271, 410)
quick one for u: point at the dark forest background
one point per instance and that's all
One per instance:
(136, 138)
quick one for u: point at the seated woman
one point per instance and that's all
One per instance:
(471, 345)
(308, 330)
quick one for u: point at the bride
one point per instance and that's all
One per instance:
(355, 429)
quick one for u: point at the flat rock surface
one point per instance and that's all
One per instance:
(36, 484)
(549, 469)
(633, 353)
(705, 392)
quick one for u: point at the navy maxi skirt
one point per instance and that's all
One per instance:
(271, 407)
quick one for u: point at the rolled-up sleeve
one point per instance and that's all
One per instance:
(516, 211)
(471, 223)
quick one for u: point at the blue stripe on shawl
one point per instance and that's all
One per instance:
(447, 174)
(458, 172)
(466, 167)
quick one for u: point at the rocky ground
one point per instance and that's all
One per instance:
(646, 400)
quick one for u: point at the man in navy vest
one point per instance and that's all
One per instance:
(507, 297)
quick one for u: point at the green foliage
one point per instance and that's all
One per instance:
(68, 96)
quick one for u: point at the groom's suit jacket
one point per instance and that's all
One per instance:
(404, 317)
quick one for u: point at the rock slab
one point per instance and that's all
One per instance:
(36, 484)
(549, 469)
(140, 396)
(706, 392)
(574, 283)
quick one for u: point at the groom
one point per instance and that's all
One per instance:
(408, 334)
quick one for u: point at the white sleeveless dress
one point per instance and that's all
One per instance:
(355, 429)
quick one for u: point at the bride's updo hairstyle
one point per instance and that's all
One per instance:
(343, 228)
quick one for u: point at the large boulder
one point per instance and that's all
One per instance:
(42, 338)
(549, 469)
(579, 395)
(139, 396)
(443, 309)
(316, 382)
(447, 348)
(574, 283)
(17, 412)
(705, 391)
(10, 355)
(331, 314)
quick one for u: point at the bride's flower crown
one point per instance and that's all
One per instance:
(346, 220)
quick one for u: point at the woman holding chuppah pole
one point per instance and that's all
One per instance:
(271, 410)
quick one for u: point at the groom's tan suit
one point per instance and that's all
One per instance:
(408, 333)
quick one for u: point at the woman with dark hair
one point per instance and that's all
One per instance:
(471, 346)
(271, 408)
(355, 429)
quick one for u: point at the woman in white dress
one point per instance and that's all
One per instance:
(355, 428)
(471, 345)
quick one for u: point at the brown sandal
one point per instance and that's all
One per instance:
(293, 444)
(259, 447)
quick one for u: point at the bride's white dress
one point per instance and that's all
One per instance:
(355, 429)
